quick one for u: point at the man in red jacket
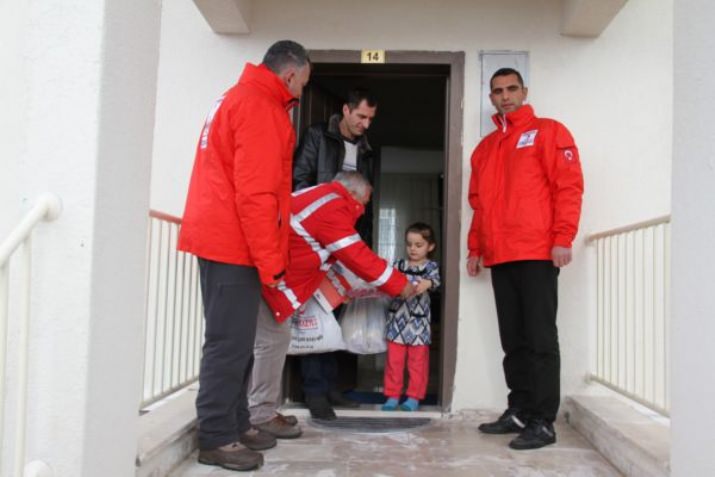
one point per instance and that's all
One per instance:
(525, 189)
(236, 223)
(322, 232)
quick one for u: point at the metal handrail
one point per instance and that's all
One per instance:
(632, 318)
(173, 328)
(47, 208)
(628, 228)
(164, 216)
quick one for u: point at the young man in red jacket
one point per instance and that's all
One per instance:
(236, 223)
(525, 189)
(322, 232)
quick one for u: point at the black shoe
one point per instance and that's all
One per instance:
(511, 421)
(336, 398)
(320, 407)
(538, 433)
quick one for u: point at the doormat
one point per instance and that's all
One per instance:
(372, 425)
(369, 397)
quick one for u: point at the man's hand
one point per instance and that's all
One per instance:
(408, 291)
(473, 267)
(274, 284)
(561, 256)
(423, 286)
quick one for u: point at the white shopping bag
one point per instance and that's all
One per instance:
(314, 330)
(363, 325)
(358, 288)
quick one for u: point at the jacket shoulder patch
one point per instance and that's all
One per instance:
(527, 139)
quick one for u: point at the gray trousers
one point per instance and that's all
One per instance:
(231, 295)
(269, 354)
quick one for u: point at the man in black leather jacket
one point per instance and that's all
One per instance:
(340, 144)
(323, 151)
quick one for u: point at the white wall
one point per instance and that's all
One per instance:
(78, 93)
(693, 229)
(614, 93)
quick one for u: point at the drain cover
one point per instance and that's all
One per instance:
(373, 425)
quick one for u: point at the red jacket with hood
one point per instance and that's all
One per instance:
(238, 203)
(525, 189)
(322, 232)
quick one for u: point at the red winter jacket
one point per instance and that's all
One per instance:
(525, 189)
(239, 196)
(323, 232)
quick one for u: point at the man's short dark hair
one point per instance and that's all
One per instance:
(357, 96)
(285, 53)
(506, 72)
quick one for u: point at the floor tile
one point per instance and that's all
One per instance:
(448, 447)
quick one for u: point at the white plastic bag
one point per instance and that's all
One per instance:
(363, 325)
(314, 330)
(359, 288)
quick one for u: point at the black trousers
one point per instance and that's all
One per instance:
(231, 294)
(526, 298)
(320, 373)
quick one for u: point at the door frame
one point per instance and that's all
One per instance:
(452, 191)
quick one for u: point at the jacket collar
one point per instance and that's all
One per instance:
(355, 206)
(514, 119)
(334, 132)
(268, 82)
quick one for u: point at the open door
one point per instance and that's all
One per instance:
(418, 131)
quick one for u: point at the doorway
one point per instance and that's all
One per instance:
(417, 137)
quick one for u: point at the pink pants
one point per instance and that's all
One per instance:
(417, 366)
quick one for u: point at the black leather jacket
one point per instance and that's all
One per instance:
(320, 156)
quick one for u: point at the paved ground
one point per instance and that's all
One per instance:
(448, 447)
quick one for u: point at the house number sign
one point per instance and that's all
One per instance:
(372, 56)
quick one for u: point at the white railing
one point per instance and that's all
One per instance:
(174, 313)
(48, 207)
(633, 311)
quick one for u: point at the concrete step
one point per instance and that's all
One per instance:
(633, 438)
(167, 434)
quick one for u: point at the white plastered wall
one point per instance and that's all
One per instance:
(77, 116)
(693, 229)
(613, 92)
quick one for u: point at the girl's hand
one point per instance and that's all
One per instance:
(423, 286)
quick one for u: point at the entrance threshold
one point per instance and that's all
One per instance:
(367, 410)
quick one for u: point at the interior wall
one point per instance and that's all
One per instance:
(401, 160)
(613, 92)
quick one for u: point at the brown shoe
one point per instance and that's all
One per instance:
(290, 420)
(256, 440)
(279, 428)
(233, 457)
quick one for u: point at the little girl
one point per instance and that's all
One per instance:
(408, 322)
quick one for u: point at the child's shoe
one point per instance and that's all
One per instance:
(390, 404)
(410, 405)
